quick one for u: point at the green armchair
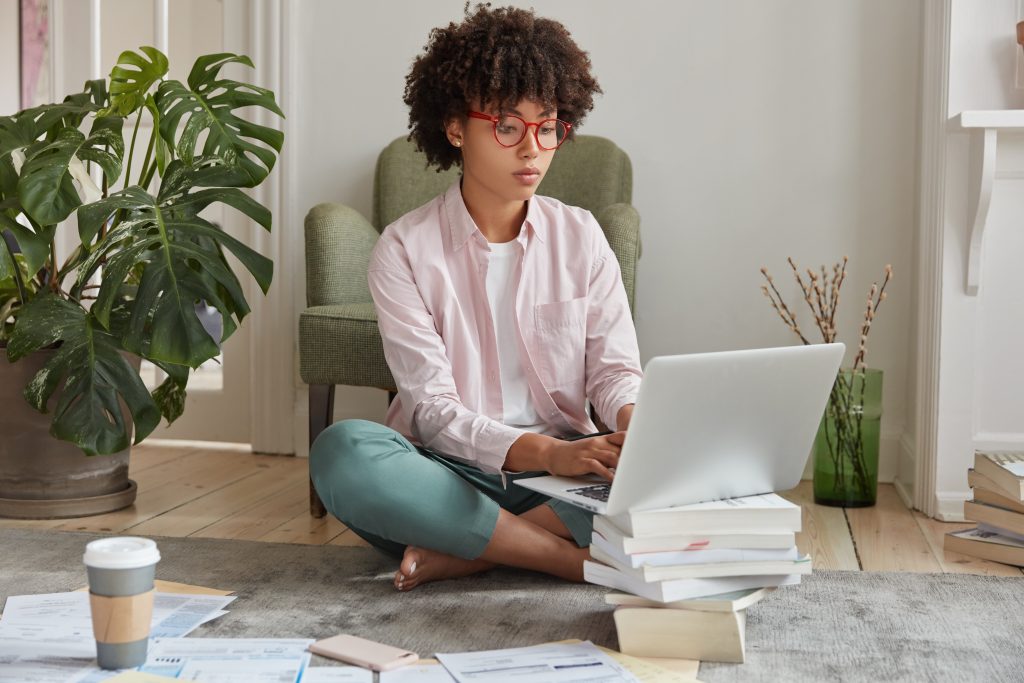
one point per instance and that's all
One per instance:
(338, 338)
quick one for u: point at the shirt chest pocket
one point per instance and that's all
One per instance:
(560, 351)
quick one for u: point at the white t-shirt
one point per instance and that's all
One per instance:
(518, 405)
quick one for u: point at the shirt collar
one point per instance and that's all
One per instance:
(462, 227)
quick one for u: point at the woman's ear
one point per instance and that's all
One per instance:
(453, 129)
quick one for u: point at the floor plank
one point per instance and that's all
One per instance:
(888, 538)
(306, 529)
(955, 563)
(185, 520)
(144, 456)
(168, 486)
(825, 535)
(255, 521)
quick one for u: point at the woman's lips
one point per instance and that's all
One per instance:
(528, 176)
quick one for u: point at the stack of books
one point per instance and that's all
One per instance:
(688, 573)
(998, 507)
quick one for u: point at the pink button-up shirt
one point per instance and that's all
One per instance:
(575, 335)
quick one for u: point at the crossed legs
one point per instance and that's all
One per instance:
(441, 517)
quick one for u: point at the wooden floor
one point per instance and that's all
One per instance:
(226, 494)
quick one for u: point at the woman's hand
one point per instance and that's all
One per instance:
(595, 455)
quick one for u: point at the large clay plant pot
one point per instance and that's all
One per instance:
(45, 478)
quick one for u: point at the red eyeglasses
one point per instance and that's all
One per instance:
(510, 130)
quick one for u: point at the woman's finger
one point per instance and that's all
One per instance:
(599, 469)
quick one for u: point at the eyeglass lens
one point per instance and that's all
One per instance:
(510, 131)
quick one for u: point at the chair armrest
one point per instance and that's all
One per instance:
(339, 241)
(621, 225)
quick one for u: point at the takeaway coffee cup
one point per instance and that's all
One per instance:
(121, 574)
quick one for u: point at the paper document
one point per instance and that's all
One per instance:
(551, 663)
(136, 677)
(417, 673)
(173, 615)
(337, 674)
(35, 662)
(652, 670)
(229, 660)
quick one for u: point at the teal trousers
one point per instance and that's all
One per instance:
(393, 493)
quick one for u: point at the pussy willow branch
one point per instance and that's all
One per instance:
(780, 306)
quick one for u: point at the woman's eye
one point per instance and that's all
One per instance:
(547, 130)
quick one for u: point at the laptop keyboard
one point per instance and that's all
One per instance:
(597, 492)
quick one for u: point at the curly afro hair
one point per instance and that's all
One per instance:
(498, 57)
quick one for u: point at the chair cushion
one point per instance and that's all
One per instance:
(340, 344)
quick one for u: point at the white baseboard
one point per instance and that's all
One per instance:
(905, 492)
(949, 505)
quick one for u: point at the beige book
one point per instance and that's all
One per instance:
(1006, 470)
(985, 545)
(994, 516)
(690, 634)
(723, 602)
(996, 497)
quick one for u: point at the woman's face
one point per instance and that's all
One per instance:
(509, 173)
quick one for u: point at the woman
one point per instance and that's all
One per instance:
(502, 313)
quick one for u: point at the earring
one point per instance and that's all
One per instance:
(457, 143)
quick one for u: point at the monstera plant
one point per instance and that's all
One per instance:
(145, 257)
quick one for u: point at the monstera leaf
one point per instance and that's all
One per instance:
(46, 188)
(91, 372)
(207, 104)
(34, 241)
(131, 79)
(180, 258)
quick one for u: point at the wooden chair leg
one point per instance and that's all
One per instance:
(321, 414)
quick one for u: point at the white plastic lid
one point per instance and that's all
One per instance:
(122, 552)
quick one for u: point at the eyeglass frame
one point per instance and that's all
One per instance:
(536, 130)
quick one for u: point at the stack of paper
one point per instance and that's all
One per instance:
(682, 554)
(48, 638)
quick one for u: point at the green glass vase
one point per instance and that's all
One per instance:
(846, 446)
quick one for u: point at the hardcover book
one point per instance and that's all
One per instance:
(1006, 470)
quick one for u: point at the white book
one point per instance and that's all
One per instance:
(679, 589)
(681, 634)
(801, 565)
(725, 602)
(766, 512)
(626, 544)
(986, 545)
(696, 556)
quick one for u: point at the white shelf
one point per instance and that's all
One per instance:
(986, 128)
(999, 119)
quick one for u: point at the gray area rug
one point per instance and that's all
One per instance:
(836, 626)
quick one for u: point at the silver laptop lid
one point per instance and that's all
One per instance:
(721, 425)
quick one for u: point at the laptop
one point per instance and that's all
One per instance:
(710, 426)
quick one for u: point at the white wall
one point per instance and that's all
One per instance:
(757, 131)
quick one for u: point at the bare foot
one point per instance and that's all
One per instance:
(420, 565)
